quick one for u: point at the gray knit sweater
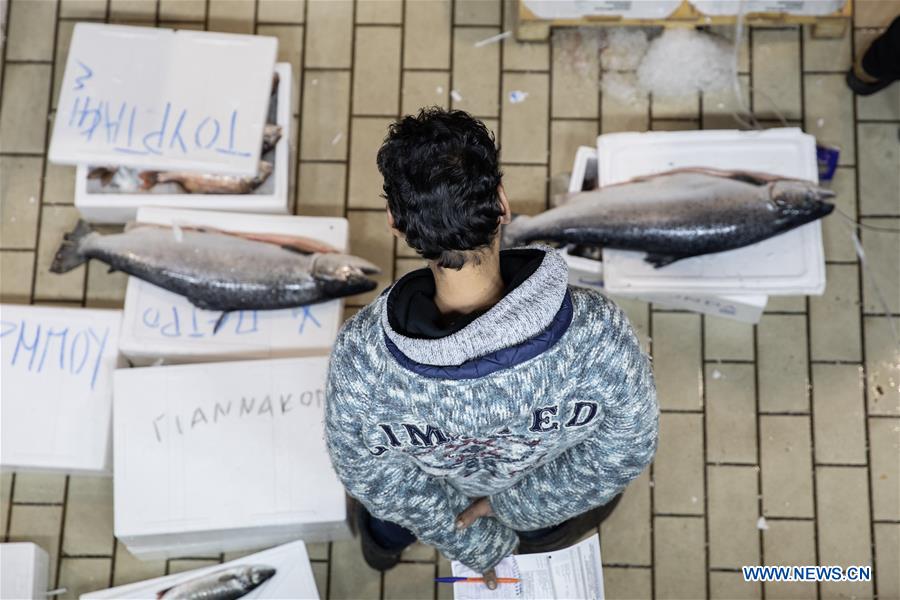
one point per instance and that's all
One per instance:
(545, 404)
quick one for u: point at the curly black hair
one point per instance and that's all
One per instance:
(441, 171)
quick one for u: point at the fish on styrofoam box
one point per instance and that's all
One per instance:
(221, 457)
(625, 9)
(56, 402)
(160, 325)
(270, 197)
(24, 571)
(293, 577)
(791, 7)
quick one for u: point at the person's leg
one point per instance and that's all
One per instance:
(382, 541)
(880, 64)
(390, 536)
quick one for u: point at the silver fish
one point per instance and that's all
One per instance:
(271, 135)
(219, 272)
(209, 183)
(225, 584)
(678, 214)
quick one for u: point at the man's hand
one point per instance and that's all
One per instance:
(479, 508)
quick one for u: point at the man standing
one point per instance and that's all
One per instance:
(480, 404)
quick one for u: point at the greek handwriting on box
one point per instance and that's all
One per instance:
(293, 577)
(158, 324)
(222, 457)
(163, 99)
(26, 569)
(57, 366)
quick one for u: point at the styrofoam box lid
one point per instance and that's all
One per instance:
(293, 577)
(24, 570)
(159, 323)
(790, 263)
(626, 9)
(163, 99)
(222, 445)
(793, 7)
(57, 366)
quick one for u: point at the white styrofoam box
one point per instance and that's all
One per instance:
(270, 197)
(223, 457)
(792, 7)
(786, 264)
(293, 577)
(163, 99)
(625, 9)
(57, 366)
(24, 571)
(158, 324)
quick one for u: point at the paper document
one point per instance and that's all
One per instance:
(575, 572)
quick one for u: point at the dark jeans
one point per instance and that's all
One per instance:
(882, 59)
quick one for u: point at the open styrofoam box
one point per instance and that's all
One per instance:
(270, 197)
(624, 9)
(159, 325)
(791, 7)
(24, 571)
(221, 457)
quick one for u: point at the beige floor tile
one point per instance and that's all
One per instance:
(776, 73)
(419, 552)
(351, 577)
(130, 569)
(365, 182)
(377, 56)
(834, 316)
(790, 543)
(524, 123)
(20, 188)
(522, 56)
(791, 304)
(679, 559)
(627, 584)
(782, 363)
(89, 519)
(733, 513)
(320, 573)
(105, 289)
(133, 10)
(55, 222)
(843, 525)
(881, 278)
(23, 120)
(882, 367)
(730, 413)
(40, 487)
(426, 43)
(829, 114)
(887, 557)
(235, 16)
(326, 104)
(720, 107)
(6, 481)
(836, 231)
(727, 339)
(576, 74)
(31, 24)
(679, 465)
(280, 11)
(477, 12)
(873, 13)
(476, 72)
(409, 581)
(444, 592)
(290, 50)
(676, 107)
(728, 32)
(884, 444)
(423, 89)
(40, 525)
(63, 39)
(350, 311)
(885, 105)
(620, 115)
(402, 266)
(677, 364)
(526, 188)
(839, 414)
(565, 138)
(879, 179)
(321, 189)
(182, 10)
(826, 54)
(82, 575)
(369, 237)
(180, 565)
(82, 9)
(379, 12)
(329, 33)
(672, 125)
(731, 586)
(16, 274)
(625, 535)
(786, 459)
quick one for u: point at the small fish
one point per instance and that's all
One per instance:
(209, 183)
(271, 135)
(224, 584)
(678, 214)
(219, 272)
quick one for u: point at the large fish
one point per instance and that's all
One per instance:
(225, 584)
(219, 272)
(678, 214)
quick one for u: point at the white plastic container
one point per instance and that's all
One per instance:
(56, 380)
(790, 7)
(24, 571)
(223, 457)
(270, 197)
(625, 9)
(159, 325)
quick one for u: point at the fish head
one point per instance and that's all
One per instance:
(344, 274)
(800, 202)
(259, 574)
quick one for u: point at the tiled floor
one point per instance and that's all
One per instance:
(796, 419)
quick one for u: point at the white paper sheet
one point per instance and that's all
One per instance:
(575, 572)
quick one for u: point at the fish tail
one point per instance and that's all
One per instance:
(69, 254)
(512, 234)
